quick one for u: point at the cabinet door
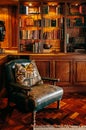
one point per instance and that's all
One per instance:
(63, 71)
(43, 67)
(80, 72)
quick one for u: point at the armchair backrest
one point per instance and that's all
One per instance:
(10, 68)
(22, 71)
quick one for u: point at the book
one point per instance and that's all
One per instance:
(45, 9)
(23, 9)
(60, 9)
(53, 22)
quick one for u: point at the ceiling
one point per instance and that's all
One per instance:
(8, 2)
(14, 2)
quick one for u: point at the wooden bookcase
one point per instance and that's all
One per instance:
(59, 25)
(76, 27)
(40, 24)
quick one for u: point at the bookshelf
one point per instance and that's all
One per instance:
(59, 25)
(76, 27)
(30, 27)
(53, 24)
(40, 23)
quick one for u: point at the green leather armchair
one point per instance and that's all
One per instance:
(30, 98)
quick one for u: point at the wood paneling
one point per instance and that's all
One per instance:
(43, 67)
(5, 17)
(80, 72)
(9, 2)
(8, 14)
(63, 71)
(70, 69)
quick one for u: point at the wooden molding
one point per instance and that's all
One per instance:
(10, 2)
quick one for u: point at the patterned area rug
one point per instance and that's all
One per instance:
(61, 128)
(71, 113)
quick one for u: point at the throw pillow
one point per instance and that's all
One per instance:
(27, 74)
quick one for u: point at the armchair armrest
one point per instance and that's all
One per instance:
(19, 87)
(53, 80)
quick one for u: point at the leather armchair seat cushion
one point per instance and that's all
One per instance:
(44, 94)
(39, 97)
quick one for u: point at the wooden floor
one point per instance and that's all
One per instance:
(72, 112)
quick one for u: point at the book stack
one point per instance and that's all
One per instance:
(51, 22)
(36, 47)
(45, 9)
(30, 34)
(54, 34)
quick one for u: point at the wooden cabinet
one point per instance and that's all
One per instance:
(70, 70)
(60, 69)
(79, 72)
(55, 68)
(43, 65)
(63, 71)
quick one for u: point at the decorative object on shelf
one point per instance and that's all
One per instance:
(47, 46)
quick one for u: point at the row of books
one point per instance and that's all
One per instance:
(59, 9)
(74, 22)
(24, 9)
(57, 22)
(46, 9)
(30, 34)
(36, 34)
(45, 22)
(35, 47)
(54, 34)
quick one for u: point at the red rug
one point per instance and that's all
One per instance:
(72, 113)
